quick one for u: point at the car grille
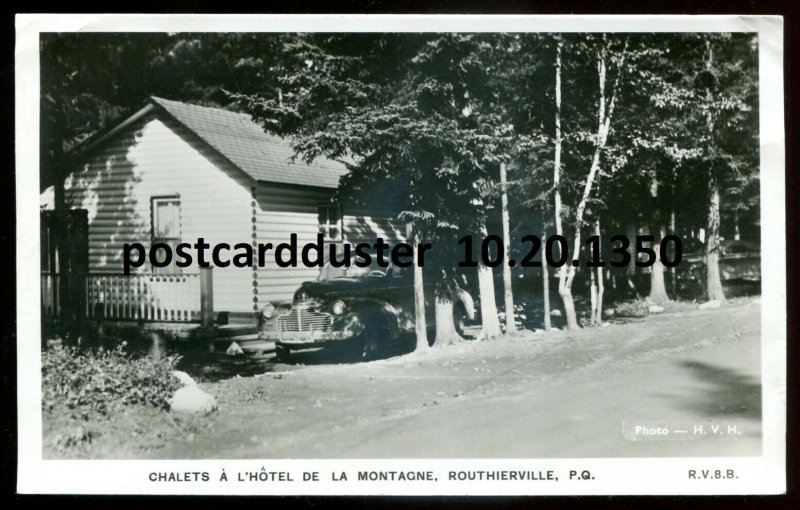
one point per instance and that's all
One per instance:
(303, 318)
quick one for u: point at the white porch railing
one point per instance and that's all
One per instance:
(150, 297)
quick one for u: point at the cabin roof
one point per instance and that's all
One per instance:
(262, 156)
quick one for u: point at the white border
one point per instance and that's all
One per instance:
(757, 475)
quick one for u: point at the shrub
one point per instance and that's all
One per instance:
(94, 382)
(520, 316)
(635, 308)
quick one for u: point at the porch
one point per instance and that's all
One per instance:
(179, 305)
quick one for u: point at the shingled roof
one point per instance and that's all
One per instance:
(244, 143)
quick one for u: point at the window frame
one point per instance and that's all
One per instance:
(171, 269)
(325, 228)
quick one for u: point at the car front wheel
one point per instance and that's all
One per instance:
(283, 353)
(373, 341)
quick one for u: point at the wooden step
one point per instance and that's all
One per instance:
(234, 330)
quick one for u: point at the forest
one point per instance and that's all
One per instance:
(508, 134)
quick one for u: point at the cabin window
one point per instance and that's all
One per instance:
(330, 222)
(166, 228)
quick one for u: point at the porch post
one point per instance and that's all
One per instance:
(206, 297)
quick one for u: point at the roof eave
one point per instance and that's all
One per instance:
(92, 143)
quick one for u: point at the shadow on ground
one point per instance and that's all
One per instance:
(216, 366)
(732, 393)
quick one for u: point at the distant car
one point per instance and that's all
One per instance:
(739, 267)
(370, 310)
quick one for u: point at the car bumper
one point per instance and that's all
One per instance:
(306, 337)
(314, 338)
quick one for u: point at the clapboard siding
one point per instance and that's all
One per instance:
(283, 210)
(280, 211)
(151, 159)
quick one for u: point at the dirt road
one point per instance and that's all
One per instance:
(546, 395)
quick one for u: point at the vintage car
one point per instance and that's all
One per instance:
(739, 267)
(367, 310)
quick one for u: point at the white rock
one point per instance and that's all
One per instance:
(191, 399)
(655, 309)
(234, 349)
(710, 305)
(555, 313)
(184, 378)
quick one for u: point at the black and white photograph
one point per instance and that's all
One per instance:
(421, 247)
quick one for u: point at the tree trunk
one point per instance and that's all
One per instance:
(490, 323)
(557, 156)
(658, 290)
(567, 277)
(569, 307)
(600, 290)
(508, 296)
(445, 325)
(633, 230)
(65, 315)
(489, 317)
(598, 306)
(419, 302)
(59, 200)
(713, 278)
(672, 273)
(546, 291)
(605, 113)
(593, 297)
(564, 290)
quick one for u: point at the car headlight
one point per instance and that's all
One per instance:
(268, 311)
(338, 308)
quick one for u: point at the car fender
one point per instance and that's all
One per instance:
(386, 312)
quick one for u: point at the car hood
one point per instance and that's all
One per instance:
(338, 287)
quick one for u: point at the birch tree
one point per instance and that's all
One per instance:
(508, 296)
(606, 103)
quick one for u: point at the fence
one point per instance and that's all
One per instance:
(149, 297)
(144, 297)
